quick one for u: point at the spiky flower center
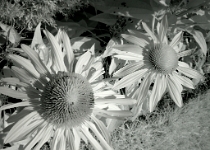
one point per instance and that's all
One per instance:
(67, 100)
(163, 58)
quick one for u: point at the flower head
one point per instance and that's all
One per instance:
(63, 98)
(155, 64)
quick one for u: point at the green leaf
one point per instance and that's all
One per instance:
(105, 18)
(10, 32)
(131, 8)
(196, 3)
(199, 38)
(82, 44)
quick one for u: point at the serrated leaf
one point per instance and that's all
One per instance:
(105, 18)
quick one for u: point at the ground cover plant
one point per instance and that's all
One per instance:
(104, 74)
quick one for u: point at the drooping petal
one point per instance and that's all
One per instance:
(128, 57)
(91, 139)
(85, 60)
(174, 92)
(69, 50)
(177, 38)
(140, 36)
(77, 139)
(185, 53)
(37, 137)
(157, 92)
(104, 93)
(96, 75)
(141, 93)
(69, 138)
(148, 30)
(129, 79)
(45, 137)
(130, 48)
(98, 135)
(190, 72)
(36, 61)
(26, 77)
(135, 40)
(162, 30)
(18, 127)
(13, 93)
(56, 52)
(184, 81)
(23, 75)
(102, 128)
(13, 105)
(37, 39)
(56, 137)
(123, 101)
(113, 113)
(128, 69)
(25, 63)
(183, 64)
(62, 142)
(27, 130)
(14, 81)
(19, 115)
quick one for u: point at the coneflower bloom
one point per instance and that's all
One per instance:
(62, 100)
(154, 64)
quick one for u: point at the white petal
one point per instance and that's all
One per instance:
(56, 52)
(128, 69)
(36, 61)
(102, 128)
(140, 36)
(68, 49)
(13, 93)
(148, 30)
(77, 139)
(177, 38)
(91, 139)
(175, 92)
(183, 64)
(129, 79)
(157, 92)
(46, 136)
(123, 101)
(162, 30)
(85, 60)
(135, 40)
(18, 127)
(184, 81)
(25, 63)
(130, 48)
(128, 57)
(99, 136)
(190, 72)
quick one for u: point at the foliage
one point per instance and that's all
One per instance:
(28, 13)
(110, 24)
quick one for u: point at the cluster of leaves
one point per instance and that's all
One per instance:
(28, 13)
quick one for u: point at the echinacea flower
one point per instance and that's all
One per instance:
(154, 64)
(61, 100)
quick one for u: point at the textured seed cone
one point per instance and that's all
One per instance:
(67, 100)
(163, 58)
